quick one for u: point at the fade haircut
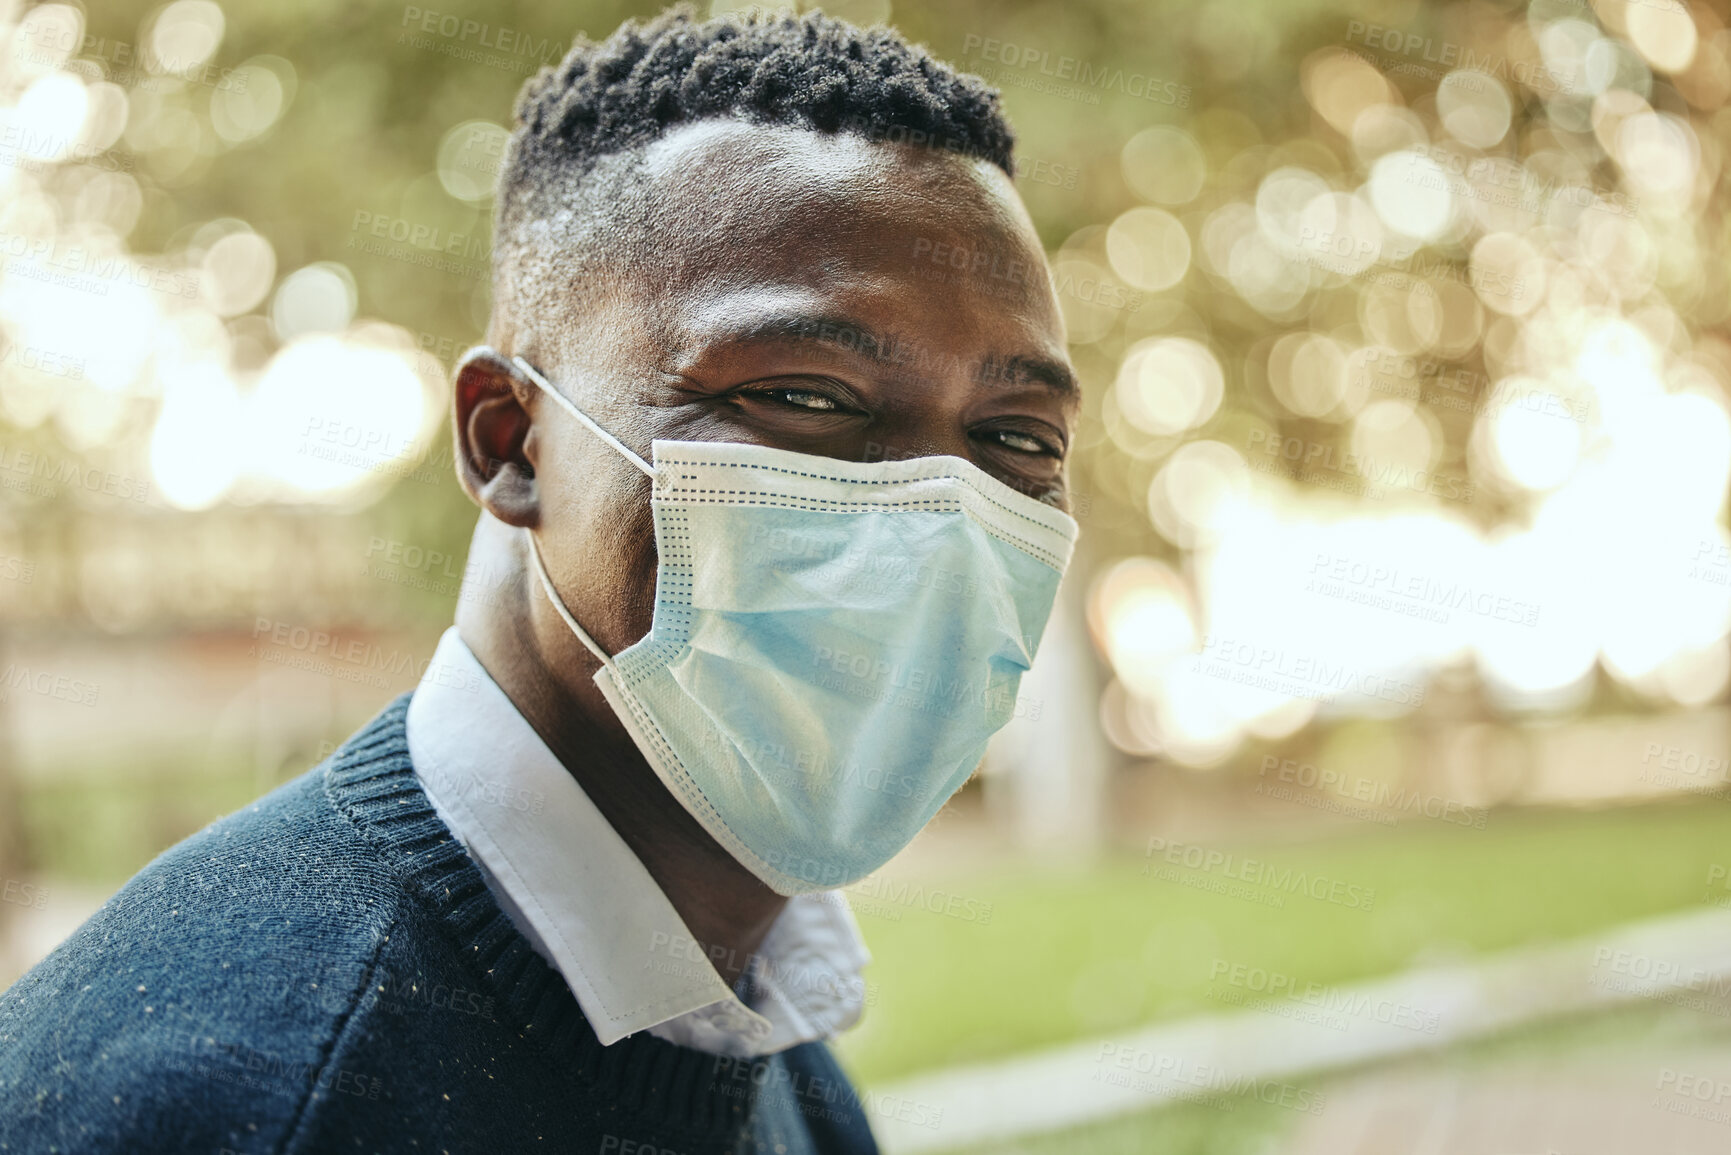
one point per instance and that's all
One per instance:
(569, 182)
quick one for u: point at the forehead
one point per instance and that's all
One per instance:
(727, 164)
(919, 239)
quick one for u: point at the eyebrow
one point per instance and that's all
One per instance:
(846, 333)
(1022, 370)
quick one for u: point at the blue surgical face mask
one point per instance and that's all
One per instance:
(833, 643)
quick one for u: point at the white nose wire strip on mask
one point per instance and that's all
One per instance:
(572, 409)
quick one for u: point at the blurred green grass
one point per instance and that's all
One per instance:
(1068, 955)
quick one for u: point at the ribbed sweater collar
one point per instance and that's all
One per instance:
(372, 781)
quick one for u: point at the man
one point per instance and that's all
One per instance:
(579, 891)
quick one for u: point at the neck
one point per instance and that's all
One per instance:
(548, 677)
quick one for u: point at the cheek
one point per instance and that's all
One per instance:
(622, 563)
(597, 518)
(637, 574)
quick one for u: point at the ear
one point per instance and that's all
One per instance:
(495, 446)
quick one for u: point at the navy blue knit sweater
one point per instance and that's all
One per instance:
(325, 971)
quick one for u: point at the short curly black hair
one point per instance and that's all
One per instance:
(811, 70)
(607, 99)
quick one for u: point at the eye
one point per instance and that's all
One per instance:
(1021, 442)
(798, 398)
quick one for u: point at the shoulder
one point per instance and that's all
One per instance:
(203, 992)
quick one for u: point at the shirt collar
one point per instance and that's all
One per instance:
(588, 905)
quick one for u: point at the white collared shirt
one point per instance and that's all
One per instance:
(587, 904)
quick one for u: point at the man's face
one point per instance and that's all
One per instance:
(822, 294)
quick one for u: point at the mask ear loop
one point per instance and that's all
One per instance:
(589, 422)
(534, 545)
(559, 604)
